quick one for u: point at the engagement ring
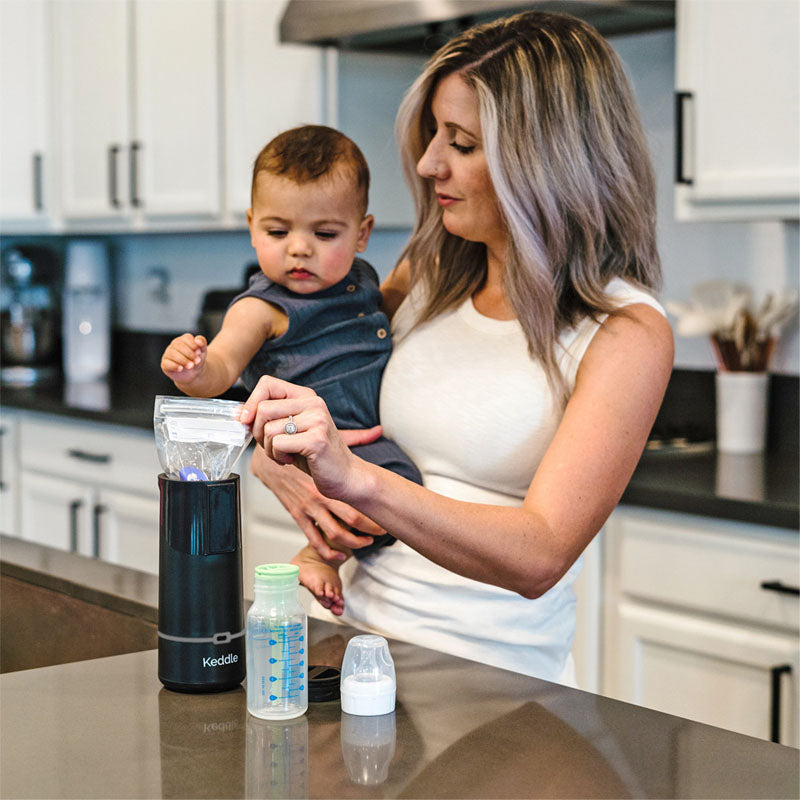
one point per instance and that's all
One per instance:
(290, 427)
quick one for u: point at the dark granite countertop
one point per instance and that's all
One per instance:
(760, 489)
(106, 728)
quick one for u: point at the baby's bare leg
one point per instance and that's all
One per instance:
(321, 579)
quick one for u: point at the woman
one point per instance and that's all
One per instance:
(530, 358)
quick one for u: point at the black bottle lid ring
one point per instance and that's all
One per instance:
(323, 683)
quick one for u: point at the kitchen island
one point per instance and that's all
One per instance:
(107, 728)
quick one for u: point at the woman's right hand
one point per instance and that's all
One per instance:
(326, 523)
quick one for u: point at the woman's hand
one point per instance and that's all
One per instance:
(326, 523)
(319, 449)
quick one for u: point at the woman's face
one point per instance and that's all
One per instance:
(456, 163)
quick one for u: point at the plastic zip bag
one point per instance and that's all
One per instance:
(199, 438)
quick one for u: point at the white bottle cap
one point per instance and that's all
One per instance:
(368, 686)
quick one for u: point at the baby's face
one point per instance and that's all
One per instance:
(306, 234)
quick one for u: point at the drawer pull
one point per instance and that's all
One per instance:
(775, 701)
(95, 458)
(113, 195)
(98, 510)
(781, 588)
(74, 507)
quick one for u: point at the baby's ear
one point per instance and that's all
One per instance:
(364, 230)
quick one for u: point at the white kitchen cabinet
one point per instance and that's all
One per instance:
(9, 472)
(269, 87)
(707, 670)
(176, 151)
(690, 628)
(56, 511)
(737, 110)
(90, 488)
(92, 55)
(26, 164)
(127, 528)
(137, 102)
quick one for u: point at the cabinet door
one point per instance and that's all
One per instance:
(713, 672)
(269, 87)
(9, 475)
(24, 97)
(127, 529)
(176, 160)
(56, 512)
(738, 62)
(92, 55)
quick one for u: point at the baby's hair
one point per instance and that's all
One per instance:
(308, 153)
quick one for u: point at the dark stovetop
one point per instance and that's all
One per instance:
(694, 479)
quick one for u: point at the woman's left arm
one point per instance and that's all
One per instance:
(619, 386)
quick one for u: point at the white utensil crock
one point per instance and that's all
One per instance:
(741, 411)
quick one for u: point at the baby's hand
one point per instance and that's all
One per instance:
(184, 358)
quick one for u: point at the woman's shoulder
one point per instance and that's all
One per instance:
(624, 293)
(635, 322)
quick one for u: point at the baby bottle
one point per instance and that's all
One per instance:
(276, 644)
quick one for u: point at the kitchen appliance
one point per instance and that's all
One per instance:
(422, 26)
(30, 317)
(87, 311)
(201, 633)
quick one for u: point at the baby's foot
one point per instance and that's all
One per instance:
(321, 579)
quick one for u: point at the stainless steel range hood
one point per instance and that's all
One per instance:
(421, 26)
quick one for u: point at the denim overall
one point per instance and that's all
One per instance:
(337, 343)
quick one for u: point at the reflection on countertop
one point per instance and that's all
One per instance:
(106, 727)
(760, 488)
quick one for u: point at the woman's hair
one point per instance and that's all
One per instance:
(308, 153)
(569, 164)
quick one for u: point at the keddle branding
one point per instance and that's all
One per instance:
(228, 658)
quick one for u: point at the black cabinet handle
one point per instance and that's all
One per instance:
(680, 102)
(98, 510)
(775, 701)
(133, 174)
(94, 458)
(113, 190)
(74, 507)
(781, 588)
(38, 196)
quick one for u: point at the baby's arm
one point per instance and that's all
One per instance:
(202, 370)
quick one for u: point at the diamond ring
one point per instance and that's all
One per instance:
(290, 426)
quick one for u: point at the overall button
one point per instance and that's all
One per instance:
(351, 287)
(382, 333)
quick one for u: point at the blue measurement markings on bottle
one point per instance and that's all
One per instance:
(286, 647)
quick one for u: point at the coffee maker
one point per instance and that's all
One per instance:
(87, 311)
(30, 316)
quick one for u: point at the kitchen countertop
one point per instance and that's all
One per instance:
(107, 728)
(762, 489)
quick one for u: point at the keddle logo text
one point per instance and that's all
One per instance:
(228, 658)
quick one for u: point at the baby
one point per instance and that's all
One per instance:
(313, 314)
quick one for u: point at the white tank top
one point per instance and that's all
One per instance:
(463, 398)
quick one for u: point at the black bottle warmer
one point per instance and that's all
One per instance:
(200, 615)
